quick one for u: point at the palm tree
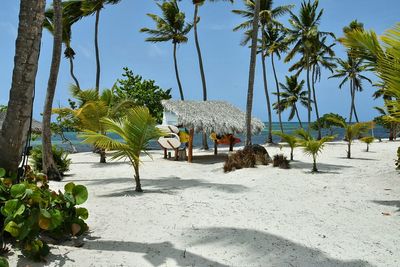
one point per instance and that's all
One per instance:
(252, 69)
(271, 42)
(170, 27)
(351, 131)
(304, 33)
(136, 129)
(368, 140)
(291, 140)
(292, 94)
(196, 19)
(350, 71)
(16, 126)
(321, 57)
(49, 166)
(90, 7)
(311, 146)
(71, 13)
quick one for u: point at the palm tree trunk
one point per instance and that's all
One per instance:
(203, 76)
(314, 169)
(309, 95)
(103, 157)
(297, 115)
(277, 91)
(71, 71)
(252, 68)
(269, 138)
(177, 74)
(348, 149)
(16, 125)
(315, 101)
(352, 100)
(137, 177)
(96, 46)
(354, 103)
(49, 166)
(291, 153)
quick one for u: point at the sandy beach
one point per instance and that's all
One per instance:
(196, 215)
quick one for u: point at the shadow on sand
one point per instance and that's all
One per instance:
(322, 167)
(169, 185)
(392, 203)
(258, 247)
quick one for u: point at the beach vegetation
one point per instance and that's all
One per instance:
(311, 146)
(60, 157)
(368, 140)
(281, 161)
(31, 213)
(325, 123)
(136, 129)
(290, 139)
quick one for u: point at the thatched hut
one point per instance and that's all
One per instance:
(36, 125)
(219, 117)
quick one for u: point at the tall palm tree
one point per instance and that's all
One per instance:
(303, 33)
(170, 27)
(137, 129)
(270, 41)
(197, 4)
(322, 56)
(292, 93)
(350, 71)
(90, 7)
(252, 69)
(49, 166)
(16, 125)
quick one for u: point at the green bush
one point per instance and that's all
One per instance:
(31, 213)
(60, 158)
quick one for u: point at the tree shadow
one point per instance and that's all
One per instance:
(57, 260)
(155, 253)
(264, 248)
(392, 203)
(103, 181)
(209, 159)
(322, 167)
(353, 158)
(167, 185)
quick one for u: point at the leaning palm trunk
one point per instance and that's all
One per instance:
(269, 138)
(277, 91)
(309, 95)
(16, 125)
(49, 167)
(71, 71)
(348, 149)
(96, 46)
(297, 115)
(177, 74)
(203, 76)
(353, 99)
(315, 101)
(252, 68)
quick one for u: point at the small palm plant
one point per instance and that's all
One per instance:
(351, 131)
(136, 129)
(368, 140)
(312, 146)
(291, 140)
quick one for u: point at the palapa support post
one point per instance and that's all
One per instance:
(190, 147)
(215, 147)
(165, 153)
(231, 142)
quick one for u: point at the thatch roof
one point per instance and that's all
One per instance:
(212, 116)
(36, 125)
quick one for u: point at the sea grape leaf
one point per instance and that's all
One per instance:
(12, 228)
(82, 212)
(2, 172)
(44, 222)
(18, 190)
(75, 228)
(9, 207)
(80, 193)
(69, 187)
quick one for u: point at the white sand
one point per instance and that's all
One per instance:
(195, 215)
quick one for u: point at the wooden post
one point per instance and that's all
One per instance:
(231, 140)
(190, 148)
(215, 147)
(165, 153)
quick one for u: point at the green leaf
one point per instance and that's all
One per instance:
(2, 172)
(56, 218)
(82, 212)
(3, 262)
(45, 213)
(80, 193)
(9, 207)
(12, 228)
(20, 210)
(18, 190)
(69, 187)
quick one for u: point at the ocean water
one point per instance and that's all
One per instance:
(288, 127)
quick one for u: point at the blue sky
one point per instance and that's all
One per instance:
(226, 62)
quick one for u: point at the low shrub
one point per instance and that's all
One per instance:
(241, 159)
(60, 157)
(32, 213)
(368, 140)
(280, 161)
(398, 159)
